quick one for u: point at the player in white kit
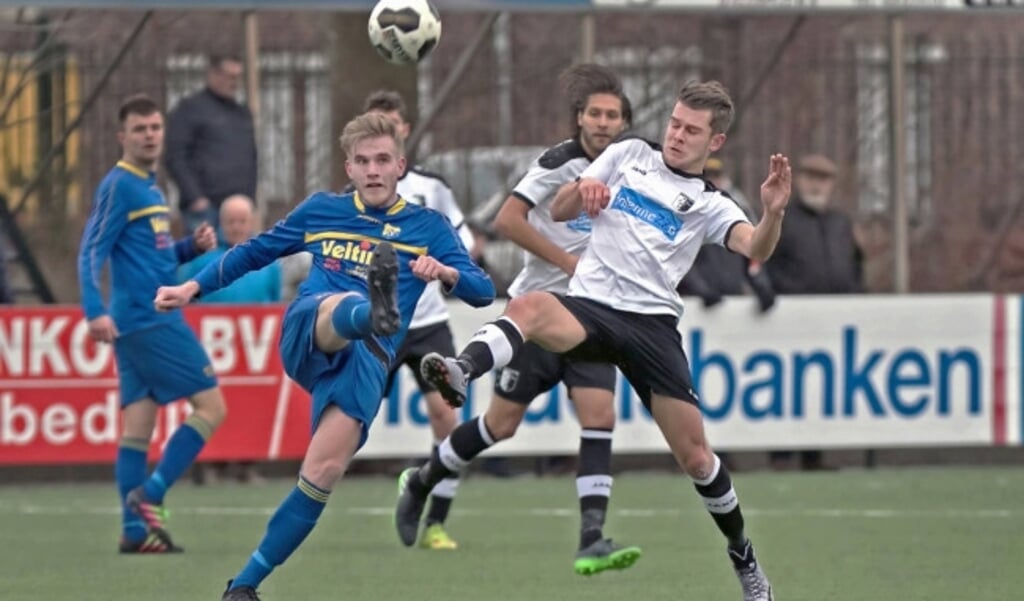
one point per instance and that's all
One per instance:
(651, 211)
(428, 330)
(600, 112)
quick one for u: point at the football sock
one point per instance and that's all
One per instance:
(351, 317)
(289, 526)
(594, 483)
(181, 451)
(492, 347)
(467, 441)
(130, 472)
(721, 501)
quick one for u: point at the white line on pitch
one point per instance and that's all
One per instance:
(877, 513)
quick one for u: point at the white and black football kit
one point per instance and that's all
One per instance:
(535, 370)
(641, 246)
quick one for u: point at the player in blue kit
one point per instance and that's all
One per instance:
(159, 359)
(373, 254)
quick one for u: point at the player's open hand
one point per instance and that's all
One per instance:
(777, 186)
(173, 297)
(205, 237)
(102, 329)
(429, 269)
(595, 195)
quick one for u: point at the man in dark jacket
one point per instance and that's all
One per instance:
(816, 254)
(211, 145)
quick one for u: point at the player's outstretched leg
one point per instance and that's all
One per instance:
(382, 281)
(493, 346)
(454, 453)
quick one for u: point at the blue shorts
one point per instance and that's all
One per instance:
(352, 379)
(164, 363)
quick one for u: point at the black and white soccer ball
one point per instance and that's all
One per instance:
(404, 31)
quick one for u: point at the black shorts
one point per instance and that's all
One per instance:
(647, 348)
(534, 371)
(435, 338)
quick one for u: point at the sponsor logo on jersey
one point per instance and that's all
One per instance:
(649, 211)
(357, 252)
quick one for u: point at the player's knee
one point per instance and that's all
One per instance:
(210, 406)
(698, 462)
(323, 472)
(526, 311)
(598, 416)
(502, 426)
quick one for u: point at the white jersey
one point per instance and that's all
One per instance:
(646, 240)
(430, 190)
(558, 166)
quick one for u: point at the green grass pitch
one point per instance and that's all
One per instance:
(900, 535)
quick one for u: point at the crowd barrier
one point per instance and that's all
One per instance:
(815, 372)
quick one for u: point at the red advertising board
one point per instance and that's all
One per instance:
(59, 400)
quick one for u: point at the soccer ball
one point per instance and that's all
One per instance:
(404, 31)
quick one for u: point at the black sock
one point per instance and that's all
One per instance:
(441, 498)
(594, 483)
(467, 441)
(722, 503)
(493, 346)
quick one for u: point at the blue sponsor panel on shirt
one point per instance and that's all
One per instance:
(649, 211)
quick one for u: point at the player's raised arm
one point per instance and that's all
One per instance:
(589, 192)
(450, 263)
(759, 242)
(285, 238)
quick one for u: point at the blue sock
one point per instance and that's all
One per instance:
(130, 472)
(351, 317)
(290, 525)
(181, 451)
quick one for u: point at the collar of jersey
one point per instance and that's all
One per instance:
(134, 170)
(680, 172)
(392, 210)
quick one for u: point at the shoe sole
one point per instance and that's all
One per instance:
(382, 281)
(619, 560)
(407, 534)
(434, 370)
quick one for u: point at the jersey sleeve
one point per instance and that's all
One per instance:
(474, 287)
(284, 238)
(723, 214)
(605, 166)
(107, 220)
(539, 183)
(444, 199)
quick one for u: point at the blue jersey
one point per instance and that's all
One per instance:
(341, 234)
(128, 224)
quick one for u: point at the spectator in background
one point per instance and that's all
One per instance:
(816, 254)
(238, 223)
(717, 272)
(211, 145)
